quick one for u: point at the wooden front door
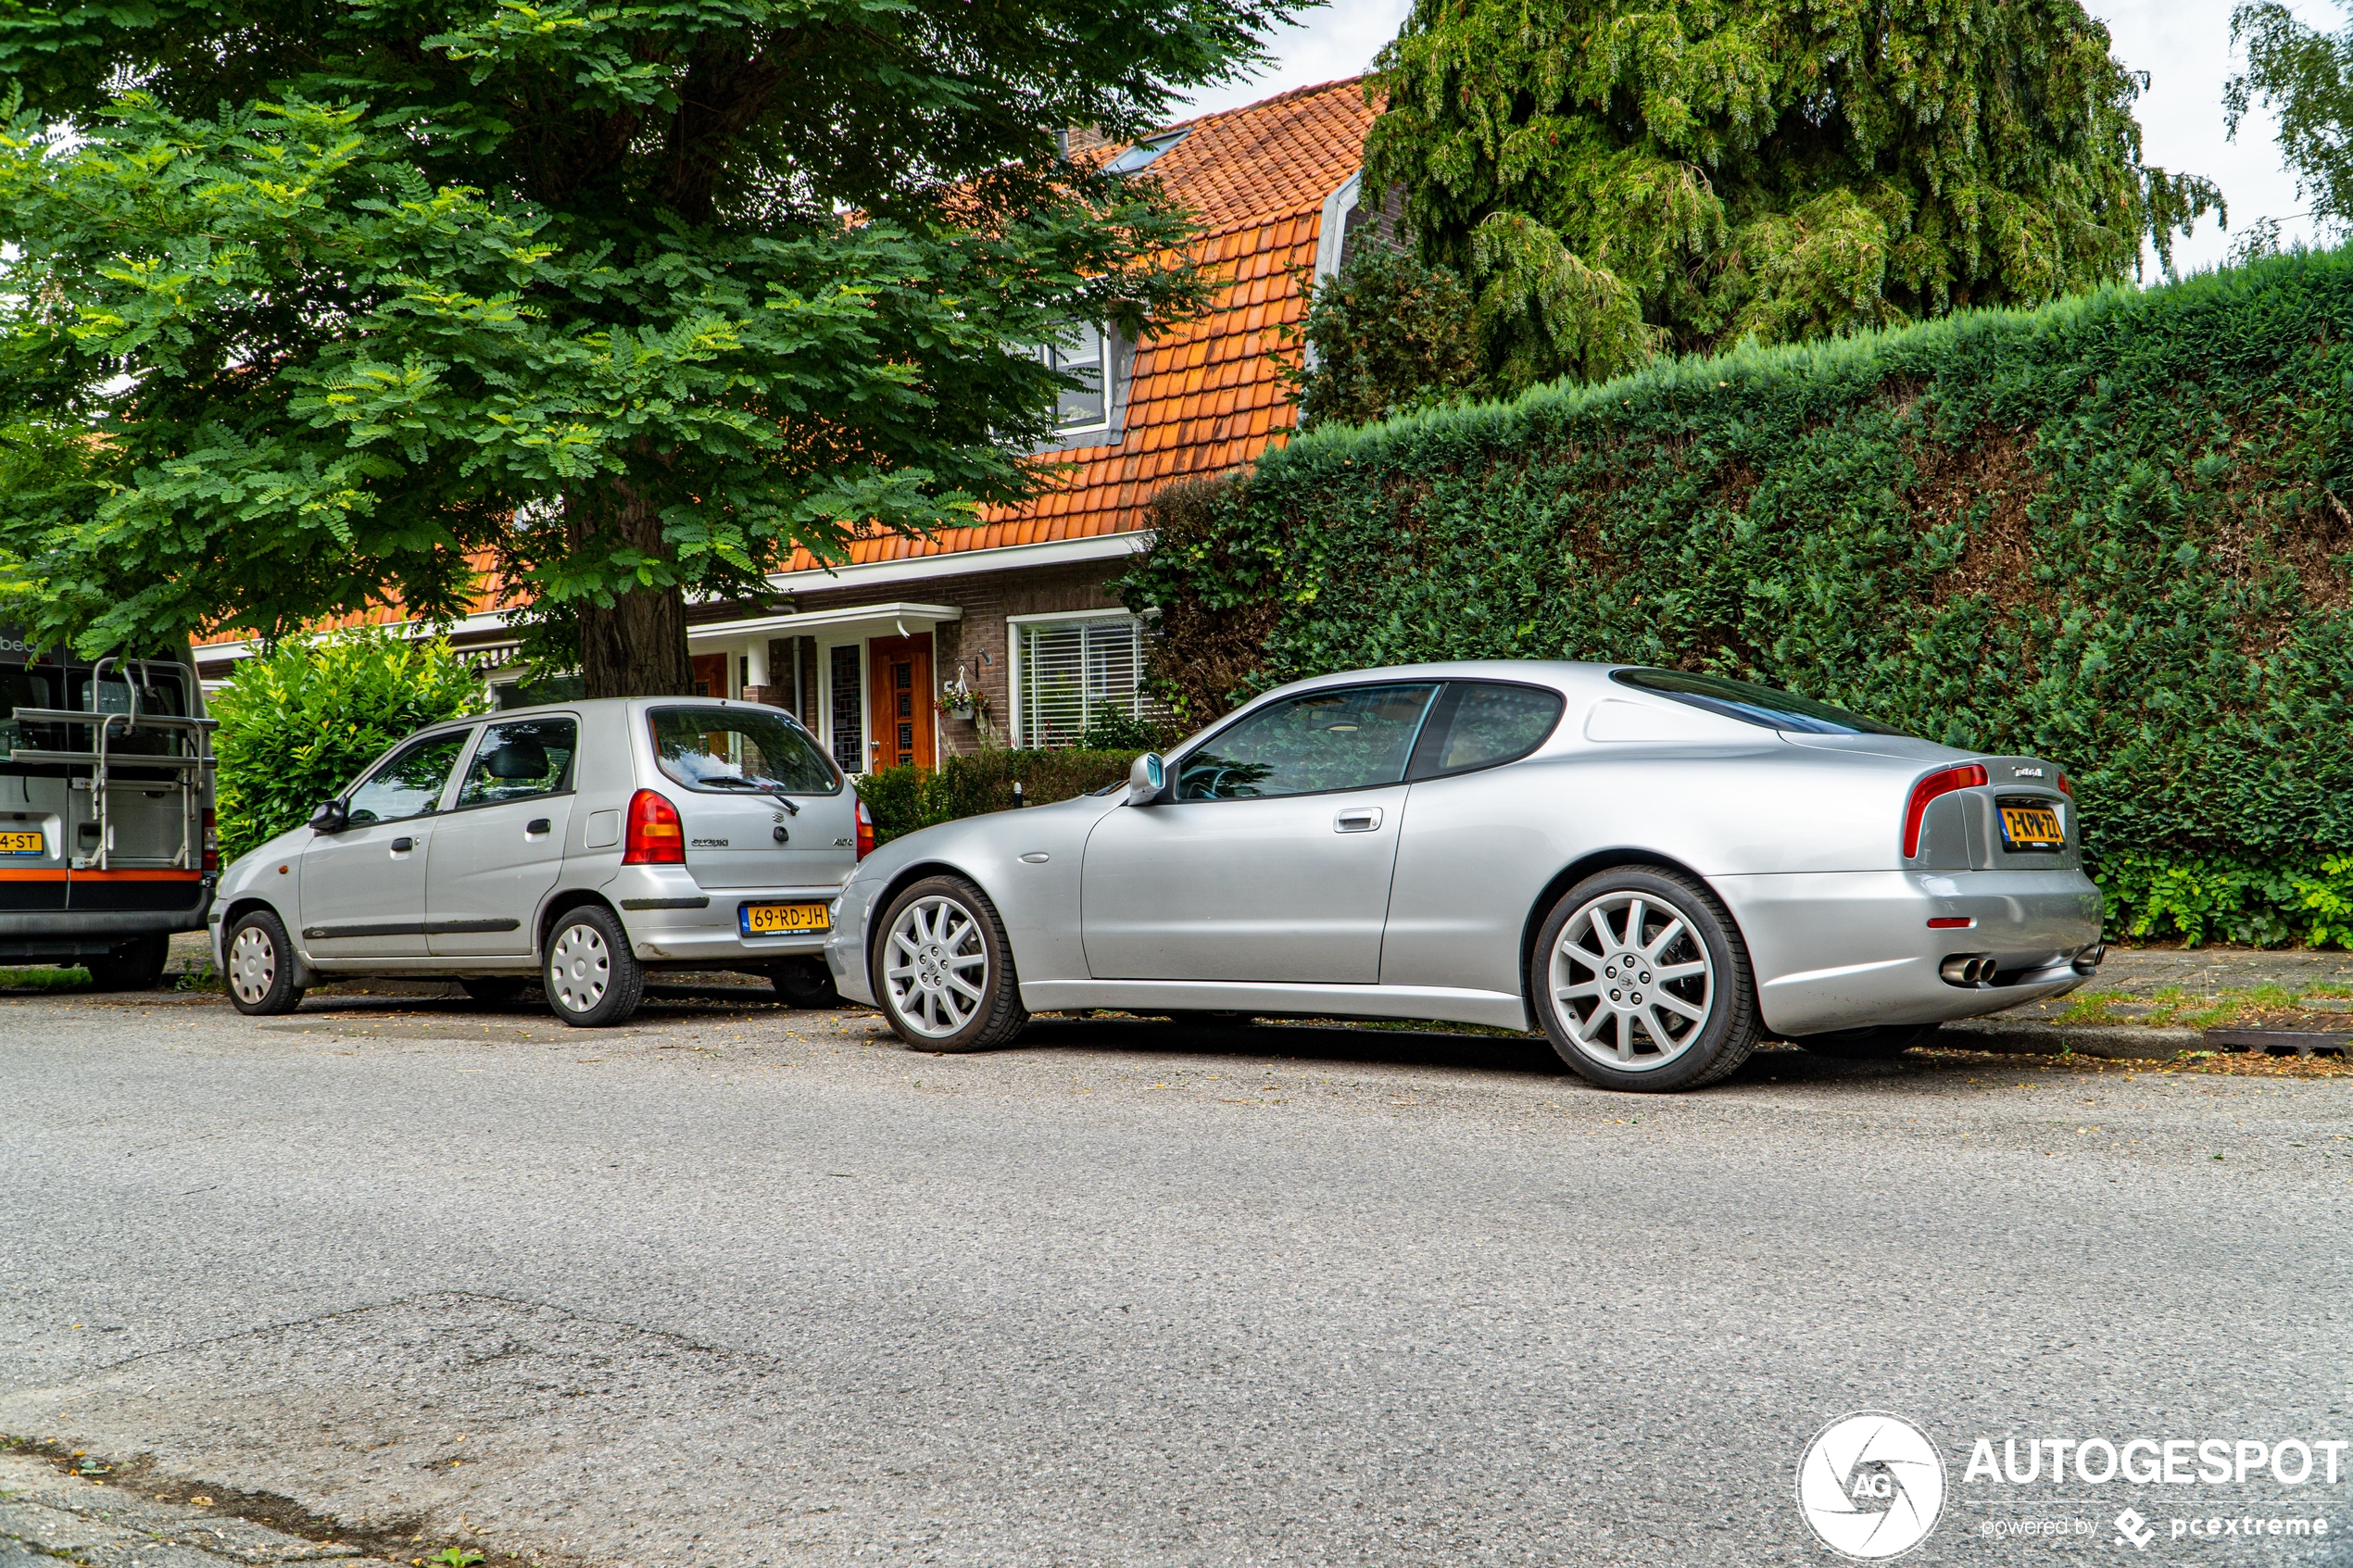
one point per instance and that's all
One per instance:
(902, 711)
(711, 674)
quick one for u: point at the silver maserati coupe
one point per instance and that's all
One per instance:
(1658, 870)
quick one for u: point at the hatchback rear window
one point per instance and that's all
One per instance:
(738, 750)
(1755, 705)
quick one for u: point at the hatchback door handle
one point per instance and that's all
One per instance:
(1357, 819)
(402, 846)
(537, 824)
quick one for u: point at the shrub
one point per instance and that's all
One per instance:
(2114, 532)
(905, 798)
(298, 723)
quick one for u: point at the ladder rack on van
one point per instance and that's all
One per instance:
(190, 768)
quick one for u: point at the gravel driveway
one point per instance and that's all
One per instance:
(742, 1285)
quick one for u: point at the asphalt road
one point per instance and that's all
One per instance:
(739, 1285)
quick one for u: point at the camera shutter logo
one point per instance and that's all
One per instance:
(1870, 1485)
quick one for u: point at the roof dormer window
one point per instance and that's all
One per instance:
(1081, 352)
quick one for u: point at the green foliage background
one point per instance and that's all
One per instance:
(298, 723)
(1616, 177)
(903, 799)
(2113, 532)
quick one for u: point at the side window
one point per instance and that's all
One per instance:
(409, 784)
(524, 757)
(1479, 724)
(1355, 738)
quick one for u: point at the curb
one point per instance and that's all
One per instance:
(2116, 1042)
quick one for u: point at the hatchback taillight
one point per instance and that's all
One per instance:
(211, 841)
(655, 837)
(865, 831)
(1944, 781)
(2066, 786)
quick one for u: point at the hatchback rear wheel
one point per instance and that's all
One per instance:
(1641, 982)
(593, 979)
(944, 970)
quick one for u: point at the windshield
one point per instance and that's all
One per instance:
(1755, 705)
(738, 750)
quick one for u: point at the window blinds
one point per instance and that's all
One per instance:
(1071, 672)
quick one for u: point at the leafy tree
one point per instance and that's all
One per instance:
(617, 301)
(1387, 335)
(1615, 178)
(2305, 77)
(299, 722)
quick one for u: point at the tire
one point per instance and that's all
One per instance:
(135, 965)
(493, 990)
(1670, 1007)
(939, 932)
(805, 982)
(593, 979)
(1868, 1045)
(260, 969)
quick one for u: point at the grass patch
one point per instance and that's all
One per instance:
(45, 977)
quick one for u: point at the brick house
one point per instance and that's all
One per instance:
(1015, 609)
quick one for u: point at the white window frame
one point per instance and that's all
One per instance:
(1018, 629)
(1104, 372)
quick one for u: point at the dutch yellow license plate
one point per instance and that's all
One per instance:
(23, 844)
(2031, 827)
(777, 920)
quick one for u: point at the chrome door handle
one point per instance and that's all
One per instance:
(1357, 819)
(537, 824)
(402, 846)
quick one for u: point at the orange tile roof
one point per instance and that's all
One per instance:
(1205, 395)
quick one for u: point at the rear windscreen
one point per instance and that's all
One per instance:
(22, 687)
(1755, 705)
(738, 750)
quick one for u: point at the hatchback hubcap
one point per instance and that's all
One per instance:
(1633, 982)
(935, 967)
(580, 967)
(253, 965)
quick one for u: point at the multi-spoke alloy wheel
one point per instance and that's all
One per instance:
(943, 969)
(937, 966)
(593, 977)
(1634, 984)
(1642, 981)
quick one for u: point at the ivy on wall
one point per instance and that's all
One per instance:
(2113, 532)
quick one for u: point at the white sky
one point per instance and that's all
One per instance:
(2183, 45)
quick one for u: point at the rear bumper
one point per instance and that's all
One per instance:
(1851, 949)
(670, 918)
(87, 932)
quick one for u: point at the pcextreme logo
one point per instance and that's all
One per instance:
(1870, 1485)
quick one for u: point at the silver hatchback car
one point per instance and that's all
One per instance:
(581, 844)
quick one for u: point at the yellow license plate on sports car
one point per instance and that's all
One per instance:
(22, 844)
(776, 919)
(2031, 827)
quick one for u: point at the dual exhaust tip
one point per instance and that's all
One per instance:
(1967, 969)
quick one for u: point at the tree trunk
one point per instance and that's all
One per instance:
(637, 646)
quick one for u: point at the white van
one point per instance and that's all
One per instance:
(106, 843)
(577, 845)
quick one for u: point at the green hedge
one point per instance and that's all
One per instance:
(298, 723)
(2113, 532)
(903, 799)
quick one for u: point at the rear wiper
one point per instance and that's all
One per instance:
(775, 792)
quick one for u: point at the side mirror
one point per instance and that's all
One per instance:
(1146, 779)
(330, 817)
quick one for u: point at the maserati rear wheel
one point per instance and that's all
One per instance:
(1641, 982)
